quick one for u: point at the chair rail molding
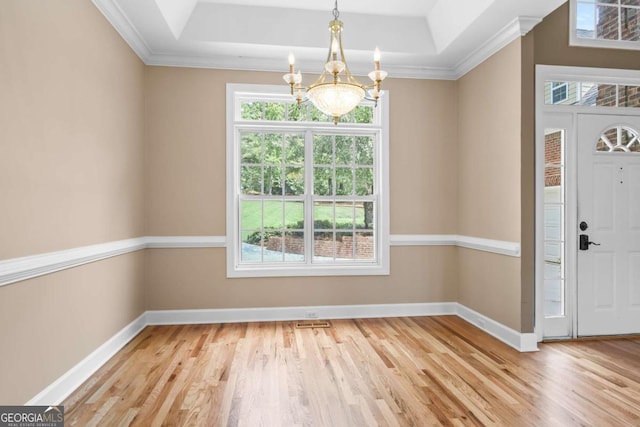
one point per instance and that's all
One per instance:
(23, 268)
(18, 269)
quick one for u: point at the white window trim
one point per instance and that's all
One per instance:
(234, 268)
(574, 40)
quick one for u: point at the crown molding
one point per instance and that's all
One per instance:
(247, 63)
(114, 14)
(519, 27)
(124, 27)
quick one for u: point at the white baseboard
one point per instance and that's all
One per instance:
(519, 341)
(522, 342)
(57, 391)
(179, 317)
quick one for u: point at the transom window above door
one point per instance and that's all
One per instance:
(591, 94)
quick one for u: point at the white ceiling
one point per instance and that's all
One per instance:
(417, 38)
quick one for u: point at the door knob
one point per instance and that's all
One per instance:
(585, 243)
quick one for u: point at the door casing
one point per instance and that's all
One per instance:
(565, 117)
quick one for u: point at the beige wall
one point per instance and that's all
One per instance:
(70, 120)
(180, 279)
(49, 324)
(185, 164)
(71, 159)
(489, 147)
(185, 167)
(423, 156)
(489, 99)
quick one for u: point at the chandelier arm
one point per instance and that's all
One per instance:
(330, 46)
(344, 59)
(333, 92)
(322, 78)
(347, 73)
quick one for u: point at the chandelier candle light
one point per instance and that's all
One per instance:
(336, 92)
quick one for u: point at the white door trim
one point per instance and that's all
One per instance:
(548, 116)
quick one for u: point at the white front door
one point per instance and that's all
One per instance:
(609, 216)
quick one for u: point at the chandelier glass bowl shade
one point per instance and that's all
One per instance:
(336, 92)
(336, 99)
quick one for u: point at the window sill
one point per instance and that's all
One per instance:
(369, 269)
(604, 44)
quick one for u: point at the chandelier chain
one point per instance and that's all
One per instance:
(336, 13)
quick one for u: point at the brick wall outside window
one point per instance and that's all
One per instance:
(607, 27)
(552, 155)
(324, 247)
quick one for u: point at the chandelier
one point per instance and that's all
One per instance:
(336, 92)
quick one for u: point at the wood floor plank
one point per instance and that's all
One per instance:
(416, 371)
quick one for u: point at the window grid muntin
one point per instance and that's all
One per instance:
(284, 229)
(263, 164)
(605, 145)
(354, 130)
(354, 230)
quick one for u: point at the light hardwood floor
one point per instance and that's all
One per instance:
(416, 371)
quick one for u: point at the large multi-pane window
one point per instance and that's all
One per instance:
(305, 196)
